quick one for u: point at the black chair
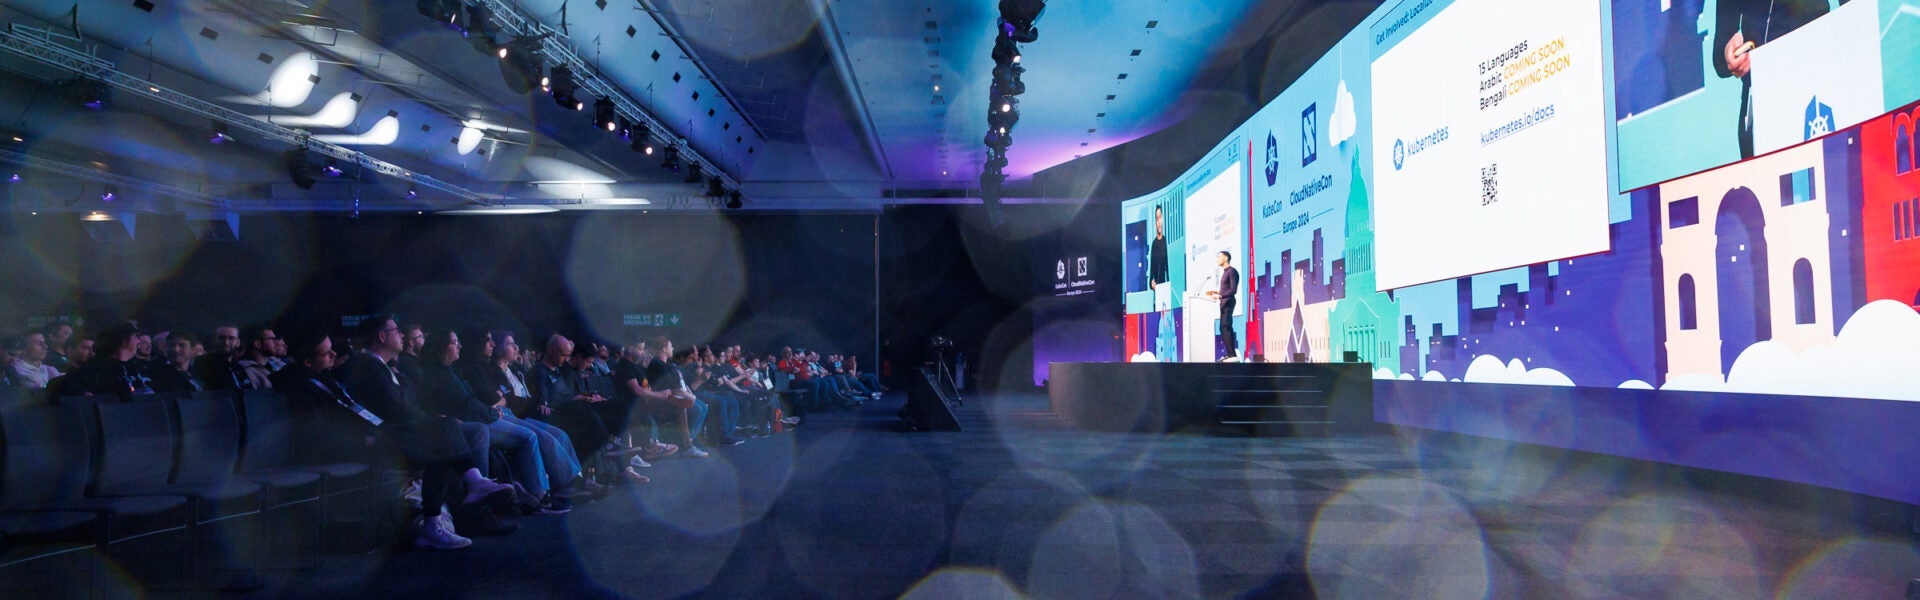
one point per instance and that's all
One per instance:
(137, 453)
(44, 475)
(49, 554)
(794, 398)
(208, 431)
(267, 445)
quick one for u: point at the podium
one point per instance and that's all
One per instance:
(1201, 323)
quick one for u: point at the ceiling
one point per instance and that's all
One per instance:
(801, 104)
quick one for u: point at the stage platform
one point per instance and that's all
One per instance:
(1258, 399)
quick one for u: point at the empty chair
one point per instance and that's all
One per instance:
(208, 431)
(137, 451)
(45, 473)
(267, 446)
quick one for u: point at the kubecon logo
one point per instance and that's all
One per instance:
(1273, 160)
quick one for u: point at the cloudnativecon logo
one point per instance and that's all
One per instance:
(1309, 134)
(1403, 151)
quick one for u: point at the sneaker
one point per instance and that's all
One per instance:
(486, 489)
(696, 452)
(555, 505)
(437, 533)
(525, 502)
(658, 450)
(411, 492)
(483, 522)
(630, 473)
(790, 420)
(638, 462)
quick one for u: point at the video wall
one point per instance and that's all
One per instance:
(1643, 194)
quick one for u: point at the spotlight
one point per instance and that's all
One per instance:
(219, 134)
(640, 139)
(1005, 52)
(299, 168)
(447, 12)
(693, 172)
(603, 115)
(672, 161)
(91, 93)
(14, 178)
(733, 200)
(412, 192)
(480, 19)
(560, 82)
(110, 194)
(715, 188)
(331, 168)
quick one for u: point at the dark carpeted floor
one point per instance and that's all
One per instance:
(1019, 505)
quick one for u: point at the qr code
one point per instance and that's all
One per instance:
(1489, 184)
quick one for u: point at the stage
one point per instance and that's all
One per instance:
(1258, 399)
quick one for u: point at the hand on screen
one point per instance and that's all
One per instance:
(1739, 62)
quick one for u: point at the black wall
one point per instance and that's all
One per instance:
(946, 270)
(758, 280)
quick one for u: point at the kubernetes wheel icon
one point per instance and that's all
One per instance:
(1060, 270)
(1399, 154)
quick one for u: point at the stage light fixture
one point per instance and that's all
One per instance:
(480, 19)
(220, 135)
(733, 200)
(715, 188)
(412, 192)
(299, 168)
(672, 160)
(603, 114)
(447, 12)
(90, 93)
(563, 87)
(639, 139)
(693, 172)
(14, 178)
(331, 168)
(110, 194)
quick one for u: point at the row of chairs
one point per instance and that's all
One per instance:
(191, 491)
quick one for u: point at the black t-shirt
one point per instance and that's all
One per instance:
(624, 371)
(663, 375)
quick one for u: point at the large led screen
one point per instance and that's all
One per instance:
(1490, 123)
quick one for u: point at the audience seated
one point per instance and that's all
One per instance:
(434, 404)
(175, 373)
(30, 368)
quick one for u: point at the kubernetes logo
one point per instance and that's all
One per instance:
(1819, 119)
(1273, 160)
(1309, 134)
(1060, 269)
(1399, 154)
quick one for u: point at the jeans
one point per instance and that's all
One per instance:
(729, 409)
(522, 446)
(556, 451)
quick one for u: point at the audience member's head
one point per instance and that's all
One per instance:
(115, 342)
(314, 351)
(380, 334)
(415, 338)
(143, 346)
(58, 333)
(582, 356)
(505, 350)
(225, 341)
(662, 347)
(180, 346)
(443, 345)
(31, 347)
(558, 349)
(259, 341)
(79, 349)
(685, 356)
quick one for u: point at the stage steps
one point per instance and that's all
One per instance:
(1272, 405)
